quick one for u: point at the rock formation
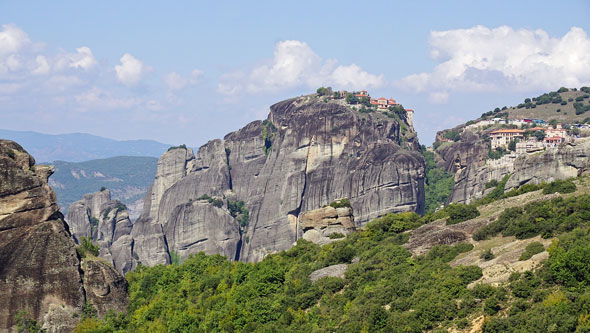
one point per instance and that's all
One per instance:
(468, 161)
(107, 223)
(304, 156)
(568, 160)
(319, 224)
(40, 271)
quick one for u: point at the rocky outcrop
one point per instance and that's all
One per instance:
(319, 224)
(565, 161)
(330, 271)
(106, 222)
(468, 161)
(106, 289)
(40, 271)
(304, 156)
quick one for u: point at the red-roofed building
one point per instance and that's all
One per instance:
(501, 138)
(553, 141)
(362, 93)
(391, 101)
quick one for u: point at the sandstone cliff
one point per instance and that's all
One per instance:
(468, 161)
(107, 223)
(305, 155)
(40, 271)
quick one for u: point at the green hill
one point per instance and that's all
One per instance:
(128, 178)
(570, 106)
(539, 233)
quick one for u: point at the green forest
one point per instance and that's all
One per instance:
(384, 289)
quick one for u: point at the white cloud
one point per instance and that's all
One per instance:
(12, 39)
(131, 70)
(438, 97)
(296, 64)
(42, 67)
(83, 59)
(175, 81)
(99, 99)
(484, 59)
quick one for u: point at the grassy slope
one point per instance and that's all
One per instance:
(549, 112)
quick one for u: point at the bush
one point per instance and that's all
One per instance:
(532, 249)
(562, 90)
(460, 212)
(561, 186)
(452, 135)
(182, 146)
(487, 255)
(336, 235)
(340, 203)
(11, 153)
(87, 247)
(103, 189)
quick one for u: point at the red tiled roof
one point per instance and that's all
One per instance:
(507, 131)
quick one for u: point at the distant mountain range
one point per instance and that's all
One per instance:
(128, 178)
(79, 147)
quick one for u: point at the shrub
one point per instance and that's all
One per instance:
(487, 255)
(532, 249)
(103, 189)
(561, 186)
(11, 153)
(562, 90)
(86, 247)
(336, 235)
(460, 212)
(452, 135)
(340, 203)
(182, 146)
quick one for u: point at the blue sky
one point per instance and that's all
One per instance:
(188, 72)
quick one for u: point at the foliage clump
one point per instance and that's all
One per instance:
(438, 184)
(214, 201)
(561, 186)
(460, 212)
(182, 146)
(532, 249)
(540, 218)
(87, 247)
(340, 203)
(238, 210)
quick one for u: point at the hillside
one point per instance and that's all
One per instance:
(538, 140)
(500, 271)
(127, 177)
(78, 147)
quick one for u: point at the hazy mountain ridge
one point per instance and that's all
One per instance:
(127, 177)
(79, 147)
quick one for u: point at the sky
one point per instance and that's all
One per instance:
(191, 71)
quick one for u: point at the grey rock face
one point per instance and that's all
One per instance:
(467, 161)
(304, 156)
(105, 221)
(568, 160)
(216, 230)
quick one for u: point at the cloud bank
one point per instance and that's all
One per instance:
(294, 65)
(493, 60)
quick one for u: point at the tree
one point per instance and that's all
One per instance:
(512, 145)
(540, 135)
(351, 99)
